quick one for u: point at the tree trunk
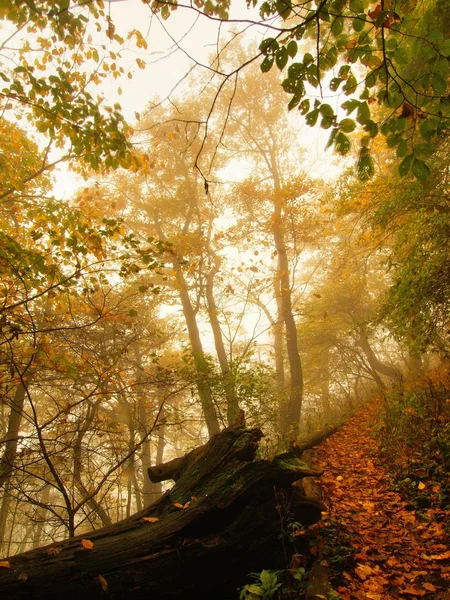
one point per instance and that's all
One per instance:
(201, 366)
(381, 368)
(218, 523)
(295, 365)
(8, 460)
(278, 333)
(227, 374)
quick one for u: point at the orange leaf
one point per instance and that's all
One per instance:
(429, 586)
(413, 591)
(373, 14)
(363, 571)
(178, 505)
(103, 583)
(442, 556)
(53, 551)
(87, 544)
(150, 519)
(5, 564)
(22, 577)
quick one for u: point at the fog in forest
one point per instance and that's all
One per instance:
(215, 220)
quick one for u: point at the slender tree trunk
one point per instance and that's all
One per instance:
(201, 366)
(4, 513)
(39, 517)
(227, 374)
(278, 338)
(93, 503)
(381, 368)
(8, 459)
(325, 386)
(295, 365)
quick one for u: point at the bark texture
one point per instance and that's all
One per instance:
(230, 527)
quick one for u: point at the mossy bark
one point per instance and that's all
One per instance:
(230, 527)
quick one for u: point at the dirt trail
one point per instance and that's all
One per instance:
(400, 553)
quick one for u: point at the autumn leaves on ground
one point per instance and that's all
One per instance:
(385, 536)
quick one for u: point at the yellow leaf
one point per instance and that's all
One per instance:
(87, 544)
(150, 519)
(421, 486)
(363, 571)
(5, 564)
(103, 583)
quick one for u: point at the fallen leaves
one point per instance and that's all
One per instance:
(150, 519)
(400, 553)
(179, 505)
(4, 564)
(87, 544)
(52, 551)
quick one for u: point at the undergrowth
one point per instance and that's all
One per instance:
(413, 433)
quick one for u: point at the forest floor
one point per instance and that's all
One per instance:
(377, 542)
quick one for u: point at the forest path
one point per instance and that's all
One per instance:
(400, 552)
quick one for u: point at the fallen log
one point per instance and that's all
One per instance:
(200, 540)
(316, 438)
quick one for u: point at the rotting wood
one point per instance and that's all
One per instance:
(229, 527)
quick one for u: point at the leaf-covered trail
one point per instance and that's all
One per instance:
(399, 552)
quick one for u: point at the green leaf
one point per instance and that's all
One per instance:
(371, 127)
(337, 26)
(308, 59)
(305, 106)
(335, 83)
(401, 56)
(294, 101)
(359, 22)
(350, 85)
(311, 117)
(326, 122)
(332, 138)
(350, 105)
(284, 8)
(424, 149)
(402, 149)
(357, 6)
(365, 165)
(444, 48)
(342, 143)
(393, 140)
(439, 85)
(405, 165)
(420, 170)
(363, 114)
(267, 63)
(282, 58)
(269, 44)
(347, 125)
(326, 110)
(292, 48)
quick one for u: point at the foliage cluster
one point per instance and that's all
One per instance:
(414, 438)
